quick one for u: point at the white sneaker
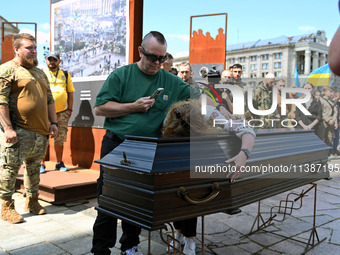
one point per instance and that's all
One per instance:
(189, 246)
(180, 241)
(135, 250)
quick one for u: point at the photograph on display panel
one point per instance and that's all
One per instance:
(90, 36)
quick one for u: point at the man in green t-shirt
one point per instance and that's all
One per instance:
(125, 102)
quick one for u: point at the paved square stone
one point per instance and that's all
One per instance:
(231, 250)
(42, 248)
(250, 247)
(2, 252)
(12, 237)
(288, 247)
(77, 246)
(63, 236)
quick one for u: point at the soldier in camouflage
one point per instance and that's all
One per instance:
(27, 118)
(263, 99)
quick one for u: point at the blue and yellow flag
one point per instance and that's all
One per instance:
(296, 78)
(320, 76)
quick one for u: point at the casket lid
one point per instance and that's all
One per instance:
(161, 155)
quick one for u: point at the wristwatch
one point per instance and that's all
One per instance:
(247, 152)
(54, 123)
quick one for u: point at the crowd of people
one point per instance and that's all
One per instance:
(323, 106)
(90, 44)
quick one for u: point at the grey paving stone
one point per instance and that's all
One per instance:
(264, 239)
(65, 216)
(267, 252)
(51, 209)
(321, 233)
(325, 248)
(156, 247)
(44, 227)
(84, 225)
(42, 248)
(231, 237)
(335, 224)
(243, 226)
(77, 246)
(231, 250)
(31, 219)
(2, 252)
(331, 212)
(250, 247)
(114, 251)
(335, 237)
(293, 227)
(63, 236)
(209, 221)
(13, 237)
(288, 247)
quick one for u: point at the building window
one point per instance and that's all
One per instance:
(277, 65)
(278, 55)
(253, 67)
(253, 58)
(243, 59)
(264, 75)
(265, 57)
(278, 74)
(253, 75)
(231, 60)
(265, 66)
(253, 84)
(244, 68)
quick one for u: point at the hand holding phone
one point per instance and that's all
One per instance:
(157, 93)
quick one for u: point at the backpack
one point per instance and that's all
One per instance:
(66, 75)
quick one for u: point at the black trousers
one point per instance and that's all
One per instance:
(105, 226)
(187, 227)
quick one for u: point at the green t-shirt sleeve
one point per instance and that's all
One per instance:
(110, 91)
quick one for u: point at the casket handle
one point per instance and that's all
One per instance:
(182, 192)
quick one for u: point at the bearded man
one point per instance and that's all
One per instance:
(27, 118)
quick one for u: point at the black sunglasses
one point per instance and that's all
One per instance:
(152, 57)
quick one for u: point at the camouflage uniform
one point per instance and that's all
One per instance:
(30, 149)
(262, 100)
(62, 119)
(32, 127)
(329, 113)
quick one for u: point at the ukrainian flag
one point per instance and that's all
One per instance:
(296, 78)
(320, 76)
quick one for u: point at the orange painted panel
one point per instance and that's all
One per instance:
(136, 29)
(7, 49)
(205, 49)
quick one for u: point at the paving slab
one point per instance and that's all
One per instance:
(288, 247)
(231, 250)
(42, 248)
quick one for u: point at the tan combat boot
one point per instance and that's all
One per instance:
(8, 212)
(32, 205)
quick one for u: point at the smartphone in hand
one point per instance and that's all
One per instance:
(157, 93)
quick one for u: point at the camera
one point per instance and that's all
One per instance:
(213, 75)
